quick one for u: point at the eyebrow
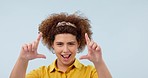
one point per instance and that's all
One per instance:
(67, 42)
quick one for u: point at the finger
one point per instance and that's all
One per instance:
(83, 57)
(38, 40)
(41, 56)
(87, 38)
(98, 48)
(94, 46)
(39, 37)
(30, 47)
(34, 46)
(91, 44)
(25, 48)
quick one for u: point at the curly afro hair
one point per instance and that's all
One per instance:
(79, 25)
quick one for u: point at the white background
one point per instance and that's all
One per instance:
(119, 26)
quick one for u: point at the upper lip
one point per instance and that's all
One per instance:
(65, 55)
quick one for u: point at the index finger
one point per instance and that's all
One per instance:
(87, 38)
(39, 38)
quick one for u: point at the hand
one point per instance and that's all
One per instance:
(29, 51)
(94, 51)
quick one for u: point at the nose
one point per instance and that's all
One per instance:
(65, 49)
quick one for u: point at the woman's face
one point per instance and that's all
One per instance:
(65, 47)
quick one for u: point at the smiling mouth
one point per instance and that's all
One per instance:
(66, 56)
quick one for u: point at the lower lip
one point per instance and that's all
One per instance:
(65, 59)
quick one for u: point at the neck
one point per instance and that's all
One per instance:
(63, 67)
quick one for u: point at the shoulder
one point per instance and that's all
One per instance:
(36, 73)
(43, 68)
(39, 70)
(84, 67)
(88, 67)
(87, 70)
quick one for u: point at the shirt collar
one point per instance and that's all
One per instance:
(53, 66)
(76, 64)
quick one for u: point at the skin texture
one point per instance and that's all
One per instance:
(95, 55)
(28, 52)
(65, 45)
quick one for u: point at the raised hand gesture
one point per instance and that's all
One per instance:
(29, 51)
(94, 51)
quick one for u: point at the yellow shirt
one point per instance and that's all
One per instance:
(76, 70)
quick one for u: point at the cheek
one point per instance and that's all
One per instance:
(58, 53)
(58, 50)
(74, 50)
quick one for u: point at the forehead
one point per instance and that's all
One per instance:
(65, 37)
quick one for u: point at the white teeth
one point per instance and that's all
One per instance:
(66, 56)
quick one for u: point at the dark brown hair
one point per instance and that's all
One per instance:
(49, 28)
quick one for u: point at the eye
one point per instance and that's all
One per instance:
(59, 44)
(71, 43)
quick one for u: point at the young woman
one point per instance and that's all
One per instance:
(65, 35)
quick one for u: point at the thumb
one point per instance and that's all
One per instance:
(41, 56)
(83, 57)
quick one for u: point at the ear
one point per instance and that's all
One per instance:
(78, 44)
(78, 47)
(52, 45)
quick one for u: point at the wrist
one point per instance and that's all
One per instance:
(21, 59)
(98, 63)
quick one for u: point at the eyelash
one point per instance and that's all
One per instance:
(68, 43)
(59, 44)
(71, 44)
